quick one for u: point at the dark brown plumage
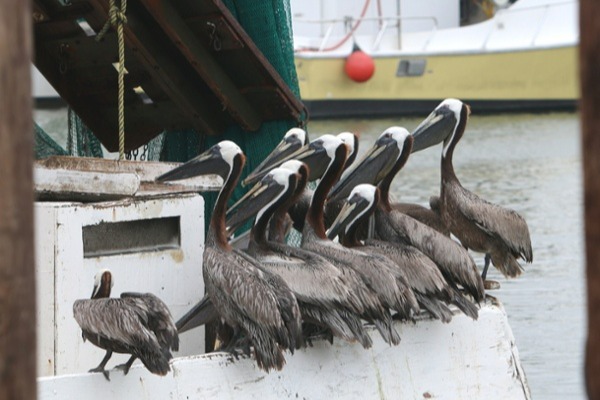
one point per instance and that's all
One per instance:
(139, 324)
(478, 224)
(261, 310)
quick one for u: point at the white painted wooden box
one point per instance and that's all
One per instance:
(150, 244)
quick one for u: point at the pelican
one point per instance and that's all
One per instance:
(320, 288)
(428, 216)
(280, 154)
(379, 166)
(500, 233)
(246, 297)
(327, 154)
(294, 139)
(139, 324)
(430, 287)
(298, 210)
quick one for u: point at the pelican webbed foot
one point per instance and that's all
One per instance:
(125, 367)
(100, 367)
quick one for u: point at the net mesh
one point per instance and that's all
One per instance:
(45, 146)
(80, 140)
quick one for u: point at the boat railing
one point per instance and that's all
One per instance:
(351, 24)
(395, 22)
(502, 13)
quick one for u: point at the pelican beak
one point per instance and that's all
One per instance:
(208, 163)
(280, 153)
(341, 220)
(374, 165)
(313, 155)
(201, 314)
(95, 291)
(263, 193)
(434, 129)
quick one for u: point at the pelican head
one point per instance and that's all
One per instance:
(360, 203)
(294, 139)
(272, 187)
(375, 164)
(317, 155)
(440, 125)
(351, 141)
(103, 283)
(218, 160)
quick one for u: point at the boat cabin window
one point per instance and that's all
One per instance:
(411, 67)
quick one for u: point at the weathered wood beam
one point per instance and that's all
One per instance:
(589, 58)
(17, 271)
(204, 63)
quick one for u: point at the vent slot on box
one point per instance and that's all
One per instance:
(127, 237)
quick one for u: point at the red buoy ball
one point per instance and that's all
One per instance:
(359, 66)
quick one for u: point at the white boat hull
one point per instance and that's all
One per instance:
(462, 360)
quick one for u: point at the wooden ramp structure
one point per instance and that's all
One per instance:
(189, 64)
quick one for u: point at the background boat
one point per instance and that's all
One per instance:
(524, 58)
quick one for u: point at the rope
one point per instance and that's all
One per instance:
(117, 18)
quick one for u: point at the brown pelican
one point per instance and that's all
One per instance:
(379, 166)
(280, 154)
(423, 276)
(320, 288)
(139, 324)
(500, 233)
(429, 216)
(297, 211)
(246, 297)
(294, 139)
(328, 154)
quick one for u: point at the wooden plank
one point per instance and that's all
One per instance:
(67, 184)
(96, 179)
(17, 269)
(589, 60)
(204, 63)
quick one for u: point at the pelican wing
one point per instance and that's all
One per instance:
(498, 221)
(158, 315)
(115, 320)
(245, 285)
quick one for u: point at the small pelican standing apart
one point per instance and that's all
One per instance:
(246, 297)
(139, 324)
(500, 233)
(379, 166)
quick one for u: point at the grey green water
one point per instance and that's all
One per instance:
(530, 163)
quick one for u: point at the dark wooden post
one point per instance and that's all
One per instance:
(589, 58)
(17, 280)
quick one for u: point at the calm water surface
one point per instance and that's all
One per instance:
(530, 163)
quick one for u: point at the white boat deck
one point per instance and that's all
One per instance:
(462, 360)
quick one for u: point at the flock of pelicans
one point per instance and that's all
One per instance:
(391, 260)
